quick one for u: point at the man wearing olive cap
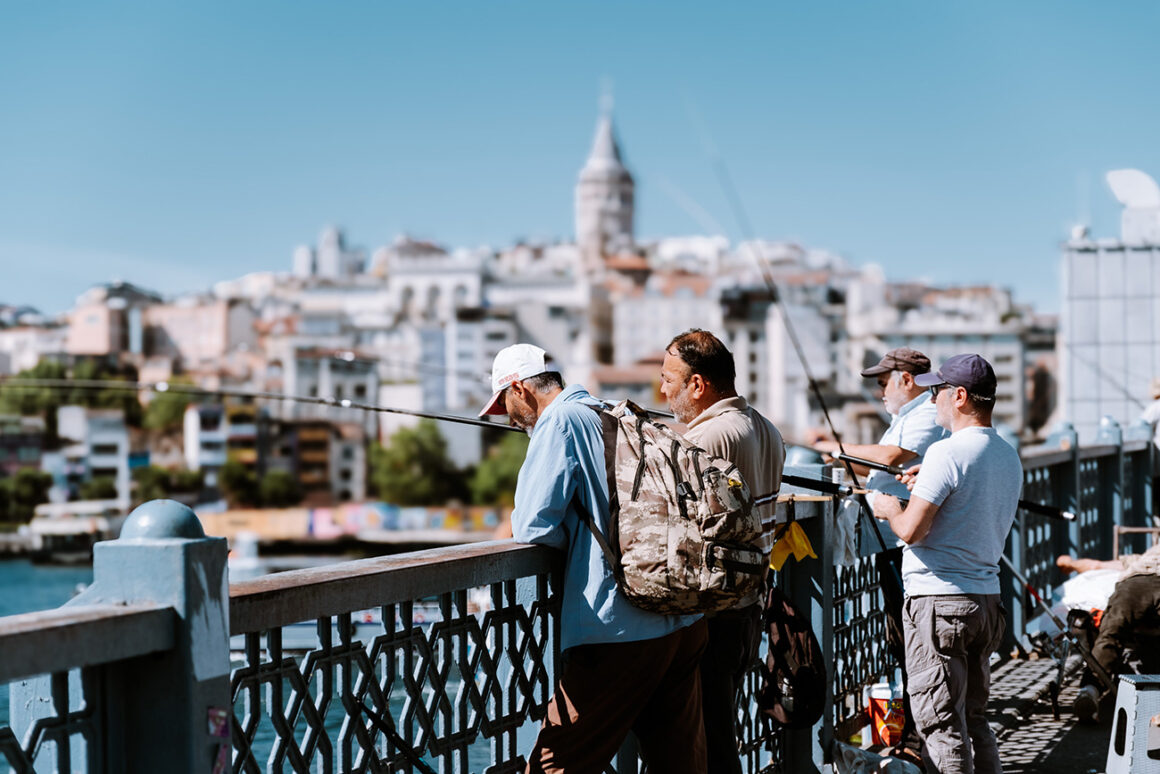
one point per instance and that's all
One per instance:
(963, 500)
(913, 428)
(624, 669)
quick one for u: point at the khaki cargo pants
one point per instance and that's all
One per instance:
(949, 642)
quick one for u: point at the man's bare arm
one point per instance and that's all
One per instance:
(911, 524)
(885, 454)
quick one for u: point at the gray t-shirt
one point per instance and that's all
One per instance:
(975, 478)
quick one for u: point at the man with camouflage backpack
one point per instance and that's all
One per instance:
(623, 668)
(697, 379)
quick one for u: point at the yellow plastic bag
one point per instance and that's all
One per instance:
(789, 538)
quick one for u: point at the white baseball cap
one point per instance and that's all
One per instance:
(511, 364)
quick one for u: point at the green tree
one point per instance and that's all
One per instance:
(152, 483)
(30, 401)
(166, 410)
(155, 483)
(414, 469)
(20, 494)
(279, 489)
(44, 401)
(187, 481)
(494, 480)
(99, 488)
(239, 483)
(111, 397)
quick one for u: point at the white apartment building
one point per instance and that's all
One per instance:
(95, 444)
(23, 347)
(646, 317)
(206, 436)
(1109, 342)
(336, 375)
(330, 259)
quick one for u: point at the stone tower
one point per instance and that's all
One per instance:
(604, 198)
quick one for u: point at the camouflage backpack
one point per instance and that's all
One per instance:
(683, 534)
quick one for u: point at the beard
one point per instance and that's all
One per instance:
(522, 417)
(682, 408)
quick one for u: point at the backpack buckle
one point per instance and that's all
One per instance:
(685, 490)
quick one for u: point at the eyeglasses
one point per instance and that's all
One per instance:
(935, 389)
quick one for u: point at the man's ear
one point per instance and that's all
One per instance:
(907, 379)
(699, 385)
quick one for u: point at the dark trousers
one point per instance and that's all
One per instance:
(734, 638)
(1131, 621)
(649, 687)
(890, 581)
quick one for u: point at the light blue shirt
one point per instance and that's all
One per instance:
(914, 428)
(975, 478)
(565, 459)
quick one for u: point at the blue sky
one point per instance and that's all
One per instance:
(177, 144)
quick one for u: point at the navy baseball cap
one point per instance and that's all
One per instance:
(969, 371)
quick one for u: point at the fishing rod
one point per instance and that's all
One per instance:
(1097, 670)
(1103, 374)
(188, 389)
(806, 482)
(742, 217)
(1027, 505)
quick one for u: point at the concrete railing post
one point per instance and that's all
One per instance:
(1111, 485)
(809, 584)
(167, 711)
(1139, 484)
(1065, 487)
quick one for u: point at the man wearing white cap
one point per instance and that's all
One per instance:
(624, 669)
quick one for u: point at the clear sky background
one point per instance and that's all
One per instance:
(175, 144)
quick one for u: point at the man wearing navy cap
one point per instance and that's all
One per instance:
(963, 500)
(913, 428)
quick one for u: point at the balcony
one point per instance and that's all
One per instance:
(465, 682)
(244, 456)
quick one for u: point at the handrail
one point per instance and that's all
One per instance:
(1033, 459)
(1100, 450)
(84, 635)
(285, 598)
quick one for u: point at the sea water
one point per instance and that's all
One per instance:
(26, 587)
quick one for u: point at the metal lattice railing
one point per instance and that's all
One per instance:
(860, 653)
(457, 660)
(52, 739)
(452, 687)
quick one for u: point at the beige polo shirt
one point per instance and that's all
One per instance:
(733, 430)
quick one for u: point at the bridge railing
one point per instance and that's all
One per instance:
(447, 656)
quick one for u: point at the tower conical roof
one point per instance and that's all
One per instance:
(605, 155)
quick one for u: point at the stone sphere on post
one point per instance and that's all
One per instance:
(162, 519)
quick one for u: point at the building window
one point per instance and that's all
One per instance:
(360, 391)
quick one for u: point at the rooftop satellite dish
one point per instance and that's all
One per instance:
(1134, 188)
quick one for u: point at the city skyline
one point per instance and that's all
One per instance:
(176, 147)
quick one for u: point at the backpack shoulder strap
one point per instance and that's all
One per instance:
(608, 428)
(609, 556)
